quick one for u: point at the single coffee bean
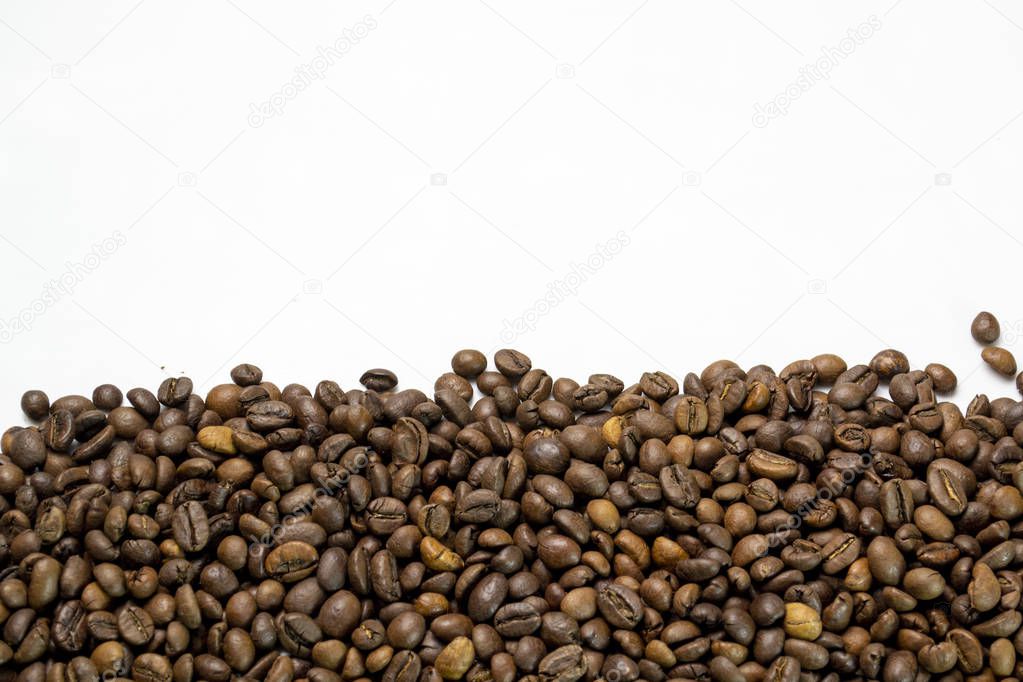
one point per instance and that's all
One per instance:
(190, 526)
(174, 391)
(292, 561)
(889, 362)
(1000, 360)
(949, 484)
(454, 660)
(802, 621)
(35, 405)
(985, 327)
(246, 375)
(379, 379)
(620, 605)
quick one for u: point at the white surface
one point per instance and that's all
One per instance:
(318, 244)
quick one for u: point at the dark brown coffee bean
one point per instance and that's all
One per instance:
(174, 391)
(517, 619)
(478, 506)
(149, 667)
(378, 379)
(135, 625)
(620, 605)
(70, 629)
(35, 404)
(246, 375)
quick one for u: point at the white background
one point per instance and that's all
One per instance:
(461, 157)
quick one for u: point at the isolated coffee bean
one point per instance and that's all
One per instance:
(35, 404)
(985, 327)
(174, 391)
(1000, 360)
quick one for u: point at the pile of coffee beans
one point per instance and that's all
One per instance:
(821, 522)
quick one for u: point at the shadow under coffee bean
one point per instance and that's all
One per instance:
(822, 522)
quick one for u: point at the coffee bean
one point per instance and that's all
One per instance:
(564, 664)
(886, 562)
(620, 605)
(35, 405)
(27, 449)
(487, 597)
(924, 583)
(889, 362)
(1000, 360)
(840, 552)
(968, 650)
(478, 506)
(454, 659)
(246, 375)
(174, 391)
(771, 465)
(949, 484)
(802, 621)
(378, 379)
(292, 561)
(190, 526)
(149, 667)
(70, 630)
(517, 619)
(135, 625)
(512, 363)
(985, 327)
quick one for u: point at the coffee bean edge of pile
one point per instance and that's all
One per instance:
(825, 522)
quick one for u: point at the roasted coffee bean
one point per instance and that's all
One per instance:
(35, 404)
(1000, 360)
(70, 629)
(512, 363)
(889, 362)
(191, 526)
(943, 379)
(620, 605)
(454, 660)
(949, 484)
(174, 391)
(985, 327)
(291, 561)
(564, 664)
(378, 379)
(135, 625)
(517, 619)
